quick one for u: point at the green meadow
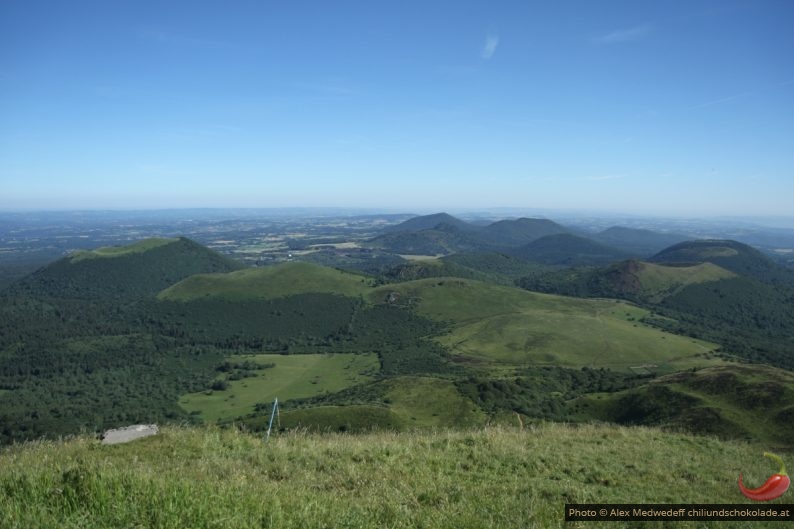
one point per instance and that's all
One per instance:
(506, 325)
(290, 377)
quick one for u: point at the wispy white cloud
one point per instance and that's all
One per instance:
(489, 48)
(624, 35)
(720, 100)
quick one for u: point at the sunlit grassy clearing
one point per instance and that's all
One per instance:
(294, 376)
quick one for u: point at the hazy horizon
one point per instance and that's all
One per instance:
(771, 221)
(676, 109)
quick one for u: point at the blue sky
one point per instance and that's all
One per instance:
(678, 108)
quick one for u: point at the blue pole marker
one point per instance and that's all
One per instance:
(272, 415)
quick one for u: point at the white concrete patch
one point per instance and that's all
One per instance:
(128, 433)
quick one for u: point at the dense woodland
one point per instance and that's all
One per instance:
(80, 353)
(101, 367)
(543, 392)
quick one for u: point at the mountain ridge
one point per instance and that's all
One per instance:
(426, 222)
(568, 249)
(640, 242)
(444, 234)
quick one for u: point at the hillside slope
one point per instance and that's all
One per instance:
(442, 239)
(730, 255)
(492, 323)
(732, 401)
(656, 282)
(721, 291)
(634, 280)
(496, 477)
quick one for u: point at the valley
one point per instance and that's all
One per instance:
(490, 324)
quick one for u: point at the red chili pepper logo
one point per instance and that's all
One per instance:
(774, 487)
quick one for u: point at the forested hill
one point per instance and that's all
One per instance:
(77, 348)
(502, 233)
(568, 249)
(730, 255)
(141, 269)
(717, 290)
(427, 222)
(442, 239)
(511, 233)
(638, 242)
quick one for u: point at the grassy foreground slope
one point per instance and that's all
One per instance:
(496, 477)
